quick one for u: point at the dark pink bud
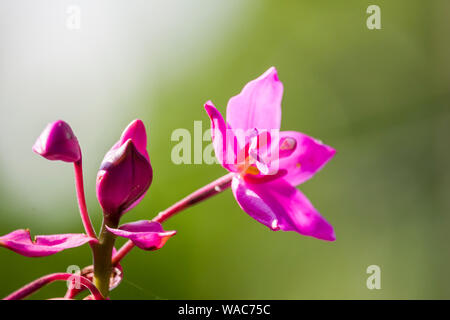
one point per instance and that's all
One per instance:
(58, 142)
(125, 173)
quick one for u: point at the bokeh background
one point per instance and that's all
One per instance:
(380, 97)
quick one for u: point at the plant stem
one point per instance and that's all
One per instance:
(103, 255)
(122, 252)
(82, 200)
(37, 284)
(201, 194)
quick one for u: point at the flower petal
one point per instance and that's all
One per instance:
(307, 156)
(258, 105)
(252, 204)
(136, 132)
(279, 205)
(222, 138)
(20, 242)
(147, 235)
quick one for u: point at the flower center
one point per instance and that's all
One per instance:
(251, 170)
(248, 167)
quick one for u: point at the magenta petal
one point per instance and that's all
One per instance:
(222, 138)
(136, 132)
(258, 105)
(147, 235)
(124, 177)
(309, 156)
(259, 150)
(58, 142)
(252, 204)
(20, 242)
(279, 205)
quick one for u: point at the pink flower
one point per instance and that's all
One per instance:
(58, 142)
(20, 242)
(147, 235)
(125, 173)
(268, 164)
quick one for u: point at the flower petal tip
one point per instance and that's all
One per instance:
(331, 151)
(327, 235)
(258, 105)
(209, 107)
(167, 235)
(137, 123)
(323, 230)
(271, 72)
(274, 226)
(137, 133)
(136, 126)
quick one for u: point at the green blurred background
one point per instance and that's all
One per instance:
(380, 97)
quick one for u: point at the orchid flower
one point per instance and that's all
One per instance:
(264, 164)
(263, 185)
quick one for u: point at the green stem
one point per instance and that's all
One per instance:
(103, 255)
(201, 194)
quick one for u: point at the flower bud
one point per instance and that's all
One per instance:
(125, 173)
(58, 142)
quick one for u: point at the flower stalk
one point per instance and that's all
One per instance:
(103, 255)
(201, 194)
(211, 189)
(37, 284)
(78, 167)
